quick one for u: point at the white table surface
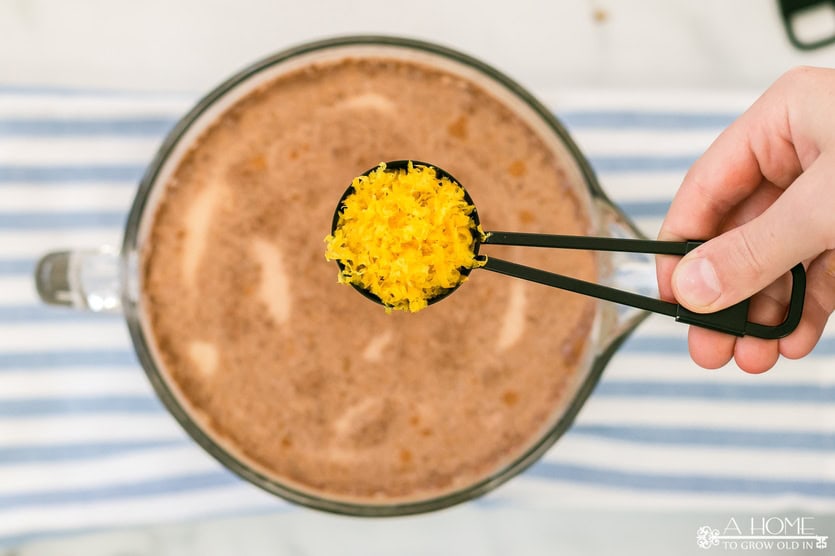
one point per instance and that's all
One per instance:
(192, 44)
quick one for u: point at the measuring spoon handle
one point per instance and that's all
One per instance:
(732, 320)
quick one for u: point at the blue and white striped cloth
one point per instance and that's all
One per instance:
(85, 445)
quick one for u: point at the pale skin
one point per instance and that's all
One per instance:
(765, 192)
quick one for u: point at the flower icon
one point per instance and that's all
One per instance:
(707, 536)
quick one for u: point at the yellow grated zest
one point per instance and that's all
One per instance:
(404, 235)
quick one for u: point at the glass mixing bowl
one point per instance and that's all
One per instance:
(108, 279)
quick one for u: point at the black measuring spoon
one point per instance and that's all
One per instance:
(732, 320)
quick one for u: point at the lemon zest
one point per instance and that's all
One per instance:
(404, 235)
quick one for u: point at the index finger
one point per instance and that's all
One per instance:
(755, 147)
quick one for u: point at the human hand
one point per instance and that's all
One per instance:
(766, 189)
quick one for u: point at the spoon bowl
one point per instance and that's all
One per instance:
(397, 165)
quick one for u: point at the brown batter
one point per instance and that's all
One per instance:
(304, 378)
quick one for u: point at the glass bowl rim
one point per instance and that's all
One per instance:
(225, 457)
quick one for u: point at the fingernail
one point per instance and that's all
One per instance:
(696, 283)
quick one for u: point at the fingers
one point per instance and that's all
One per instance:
(710, 349)
(744, 260)
(712, 189)
(737, 187)
(756, 355)
(818, 305)
(763, 197)
(757, 146)
(754, 205)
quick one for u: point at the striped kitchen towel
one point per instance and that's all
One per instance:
(84, 443)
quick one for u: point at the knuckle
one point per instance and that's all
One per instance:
(822, 286)
(704, 187)
(829, 265)
(749, 254)
(799, 74)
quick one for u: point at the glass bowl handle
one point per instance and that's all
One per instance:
(86, 279)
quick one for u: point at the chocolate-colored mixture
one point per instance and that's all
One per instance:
(302, 377)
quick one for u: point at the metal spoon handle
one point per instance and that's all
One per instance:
(733, 320)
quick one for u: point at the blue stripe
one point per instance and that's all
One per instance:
(109, 173)
(142, 126)
(13, 89)
(717, 391)
(723, 438)
(668, 436)
(16, 314)
(46, 313)
(701, 484)
(646, 119)
(159, 125)
(754, 393)
(50, 360)
(16, 267)
(139, 489)
(71, 173)
(111, 219)
(645, 209)
(62, 220)
(642, 164)
(44, 407)
(677, 345)
(661, 345)
(74, 452)
(648, 345)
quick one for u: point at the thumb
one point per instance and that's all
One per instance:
(739, 263)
